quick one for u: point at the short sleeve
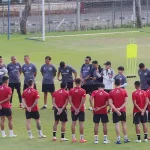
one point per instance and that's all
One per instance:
(54, 69)
(133, 97)
(84, 94)
(34, 69)
(10, 91)
(146, 95)
(41, 70)
(54, 94)
(73, 70)
(125, 80)
(126, 94)
(37, 95)
(93, 94)
(19, 67)
(115, 78)
(22, 68)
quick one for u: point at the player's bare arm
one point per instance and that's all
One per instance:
(35, 103)
(135, 104)
(113, 107)
(125, 104)
(81, 104)
(24, 103)
(145, 107)
(5, 100)
(35, 74)
(75, 75)
(70, 101)
(54, 104)
(99, 108)
(58, 76)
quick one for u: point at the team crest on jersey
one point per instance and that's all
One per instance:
(120, 79)
(101, 93)
(1, 88)
(29, 91)
(50, 68)
(76, 90)
(117, 91)
(145, 74)
(30, 68)
(67, 70)
(17, 67)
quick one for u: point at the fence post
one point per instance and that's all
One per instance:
(78, 15)
(134, 13)
(147, 12)
(49, 9)
(121, 12)
(3, 18)
(113, 15)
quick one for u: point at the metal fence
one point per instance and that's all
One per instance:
(69, 15)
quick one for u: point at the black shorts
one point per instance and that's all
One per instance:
(88, 88)
(25, 86)
(1, 83)
(100, 117)
(80, 116)
(6, 112)
(69, 85)
(138, 118)
(149, 117)
(33, 114)
(144, 89)
(108, 91)
(48, 88)
(16, 86)
(117, 118)
(62, 117)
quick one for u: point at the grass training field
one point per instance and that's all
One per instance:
(73, 51)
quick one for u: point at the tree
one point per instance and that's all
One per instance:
(138, 13)
(25, 15)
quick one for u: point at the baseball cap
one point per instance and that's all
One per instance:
(107, 63)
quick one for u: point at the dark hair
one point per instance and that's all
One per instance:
(117, 82)
(78, 81)
(95, 62)
(48, 57)
(137, 83)
(63, 85)
(148, 82)
(101, 85)
(4, 79)
(62, 64)
(1, 57)
(141, 65)
(30, 82)
(26, 56)
(121, 68)
(88, 57)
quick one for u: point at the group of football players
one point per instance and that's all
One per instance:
(104, 87)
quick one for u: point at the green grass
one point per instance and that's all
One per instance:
(73, 51)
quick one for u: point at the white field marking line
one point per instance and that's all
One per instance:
(90, 34)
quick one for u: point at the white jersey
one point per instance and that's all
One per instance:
(108, 80)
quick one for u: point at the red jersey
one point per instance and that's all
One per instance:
(5, 91)
(77, 94)
(140, 97)
(100, 99)
(118, 96)
(148, 94)
(61, 97)
(30, 95)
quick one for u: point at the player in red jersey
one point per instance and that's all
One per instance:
(148, 94)
(77, 97)
(30, 99)
(99, 102)
(5, 96)
(140, 102)
(118, 101)
(60, 101)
